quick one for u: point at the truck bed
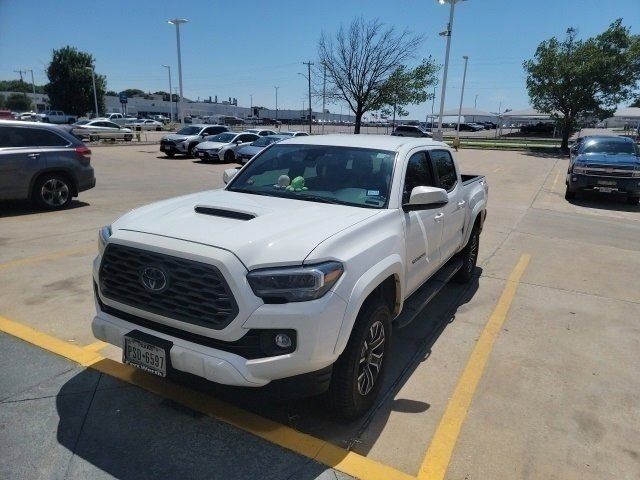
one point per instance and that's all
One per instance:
(467, 179)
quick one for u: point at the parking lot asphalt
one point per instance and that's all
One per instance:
(556, 394)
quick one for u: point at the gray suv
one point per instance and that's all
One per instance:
(185, 139)
(410, 131)
(43, 163)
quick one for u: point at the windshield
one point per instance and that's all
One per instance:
(611, 147)
(222, 138)
(264, 141)
(82, 122)
(344, 175)
(189, 131)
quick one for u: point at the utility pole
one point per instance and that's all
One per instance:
(251, 108)
(324, 94)
(95, 93)
(464, 78)
(33, 86)
(20, 72)
(308, 64)
(276, 102)
(475, 102)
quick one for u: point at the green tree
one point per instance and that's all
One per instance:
(2, 101)
(133, 92)
(572, 78)
(19, 86)
(406, 86)
(18, 102)
(70, 86)
(636, 102)
(111, 93)
(360, 59)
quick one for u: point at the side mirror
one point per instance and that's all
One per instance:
(228, 174)
(423, 198)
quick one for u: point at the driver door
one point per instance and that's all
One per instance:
(423, 228)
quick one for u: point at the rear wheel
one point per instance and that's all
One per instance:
(358, 373)
(229, 157)
(190, 150)
(94, 138)
(128, 138)
(52, 191)
(158, 129)
(469, 257)
(633, 200)
(569, 194)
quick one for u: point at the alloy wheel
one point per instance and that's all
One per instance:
(54, 192)
(371, 356)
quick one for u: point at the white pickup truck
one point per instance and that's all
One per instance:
(297, 271)
(56, 116)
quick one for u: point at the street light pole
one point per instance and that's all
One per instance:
(308, 64)
(464, 78)
(324, 95)
(446, 33)
(95, 94)
(177, 22)
(276, 102)
(475, 102)
(168, 67)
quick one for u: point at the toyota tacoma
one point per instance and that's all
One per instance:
(298, 270)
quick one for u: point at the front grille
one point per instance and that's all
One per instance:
(167, 143)
(608, 171)
(195, 292)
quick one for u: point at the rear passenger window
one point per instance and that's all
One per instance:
(444, 169)
(14, 137)
(418, 175)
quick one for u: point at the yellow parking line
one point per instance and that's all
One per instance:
(436, 461)
(96, 346)
(555, 180)
(319, 450)
(48, 256)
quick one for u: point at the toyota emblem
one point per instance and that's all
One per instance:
(153, 279)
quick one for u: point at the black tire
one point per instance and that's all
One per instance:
(52, 191)
(229, 157)
(469, 256)
(128, 138)
(190, 150)
(569, 194)
(158, 129)
(348, 396)
(71, 121)
(633, 200)
(94, 138)
(169, 154)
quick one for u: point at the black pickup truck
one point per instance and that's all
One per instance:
(605, 164)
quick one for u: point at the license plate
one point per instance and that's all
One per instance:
(607, 182)
(201, 154)
(605, 189)
(145, 356)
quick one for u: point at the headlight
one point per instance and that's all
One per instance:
(635, 174)
(579, 168)
(103, 237)
(295, 284)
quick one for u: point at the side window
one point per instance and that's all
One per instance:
(418, 175)
(444, 168)
(12, 137)
(44, 138)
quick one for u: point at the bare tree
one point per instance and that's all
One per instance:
(360, 59)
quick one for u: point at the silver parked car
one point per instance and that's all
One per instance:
(223, 147)
(43, 163)
(100, 129)
(185, 139)
(294, 134)
(247, 152)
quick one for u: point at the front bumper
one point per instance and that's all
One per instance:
(173, 147)
(208, 155)
(628, 186)
(316, 325)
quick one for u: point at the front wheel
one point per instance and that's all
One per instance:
(569, 194)
(190, 150)
(469, 257)
(229, 157)
(358, 373)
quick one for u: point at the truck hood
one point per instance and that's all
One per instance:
(260, 230)
(621, 159)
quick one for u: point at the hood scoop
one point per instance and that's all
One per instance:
(225, 212)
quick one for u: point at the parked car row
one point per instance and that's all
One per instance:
(213, 142)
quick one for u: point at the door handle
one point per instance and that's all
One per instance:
(461, 203)
(33, 155)
(439, 217)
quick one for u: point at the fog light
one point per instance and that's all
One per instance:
(283, 340)
(575, 179)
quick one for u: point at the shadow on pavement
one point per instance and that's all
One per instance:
(602, 201)
(15, 208)
(131, 433)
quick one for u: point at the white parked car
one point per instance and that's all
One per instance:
(298, 270)
(294, 134)
(145, 124)
(223, 147)
(100, 129)
(261, 131)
